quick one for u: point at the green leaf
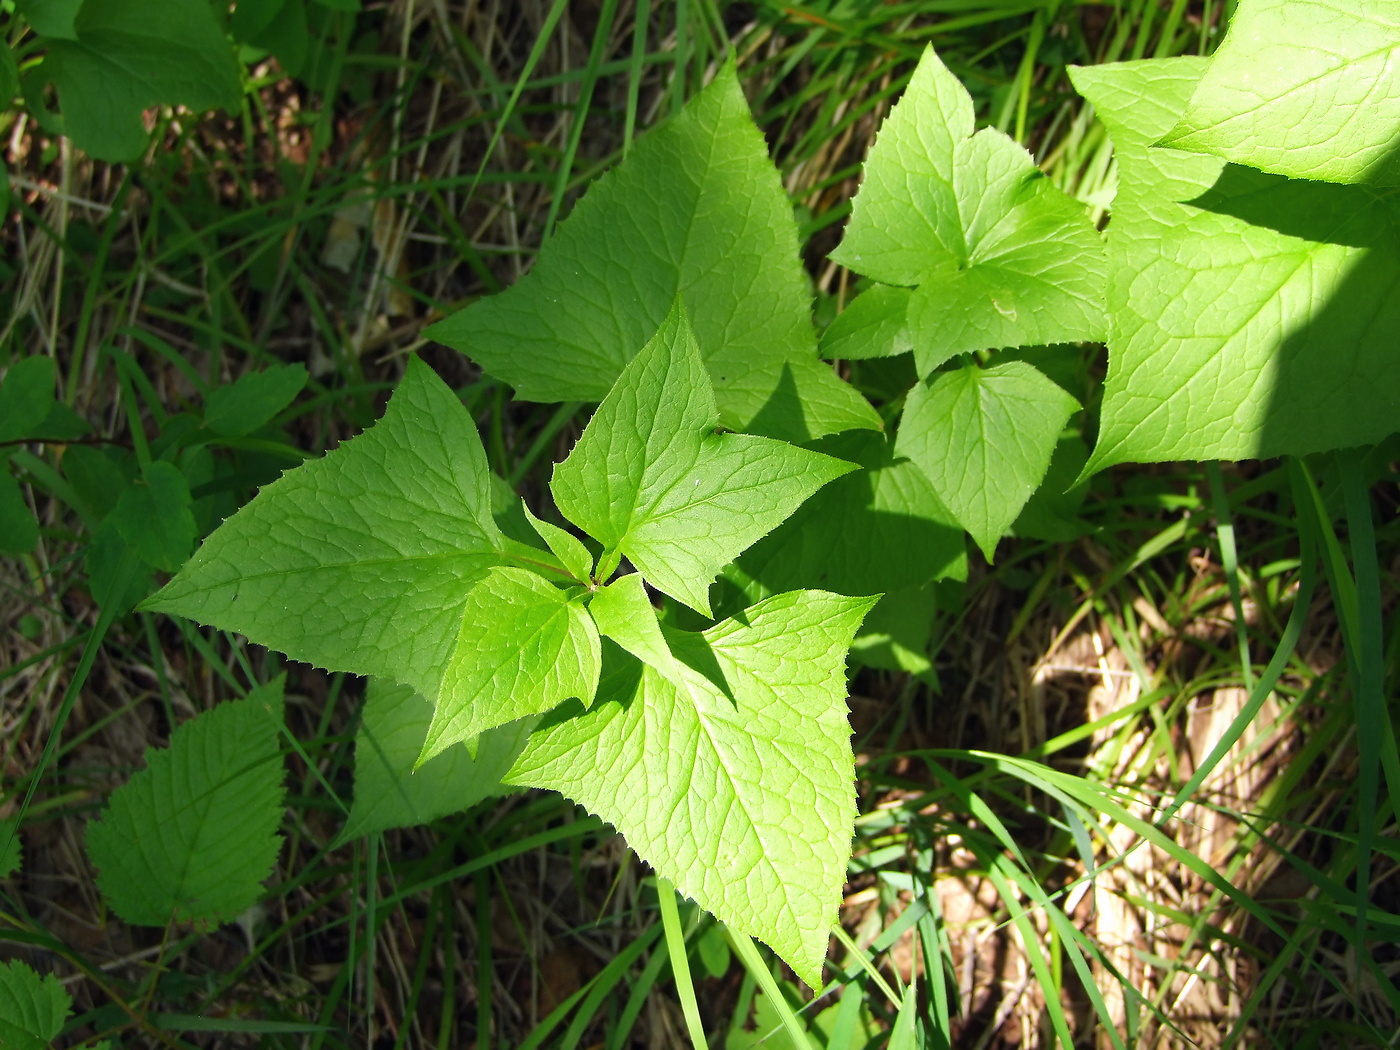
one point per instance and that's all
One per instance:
(896, 634)
(624, 613)
(879, 529)
(1252, 315)
(9, 85)
(390, 794)
(32, 1008)
(1053, 512)
(1304, 88)
(97, 478)
(984, 437)
(874, 324)
(361, 561)
(252, 17)
(192, 836)
(565, 546)
(104, 562)
(129, 55)
(651, 479)
(1000, 256)
(525, 645)
(243, 406)
(26, 397)
(740, 790)
(11, 851)
(19, 532)
(696, 211)
(154, 516)
(51, 18)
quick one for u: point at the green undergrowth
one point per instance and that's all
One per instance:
(319, 552)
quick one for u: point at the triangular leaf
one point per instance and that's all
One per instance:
(32, 1008)
(1252, 315)
(650, 479)
(360, 561)
(194, 834)
(525, 645)
(984, 437)
(130, 55)
(1304, 88)
(1000, 256)
(697, 211)
(741, 791)
(389, 793)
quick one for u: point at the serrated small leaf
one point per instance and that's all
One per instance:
(32, 1008)
(565, 546)
(390, 794)
(126, 56)
(623, 613)
(19, 532)
(984, 437)
(360, 561)
(243, 406)
(193, 835)
(26, 397)
(696, 211)
(154, 515)
(874, 324)
(741, 790)
(11, 851)
(1309, 89)
(524, 646)
(1001, 257)
(651, 479)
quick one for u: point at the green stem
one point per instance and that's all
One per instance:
(680, 966)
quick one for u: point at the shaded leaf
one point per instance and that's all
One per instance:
(126, 56)
(193, 835)
(389, 793)
(243, 406)
(32, 1008)
(1252, 315)
(26, 397)
(19, 532)
(153, 515)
